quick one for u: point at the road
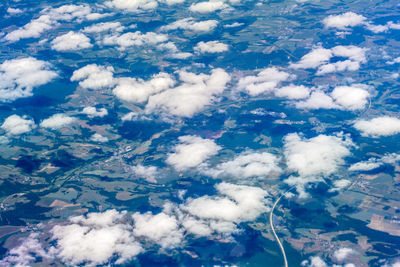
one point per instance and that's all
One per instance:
(273, 230)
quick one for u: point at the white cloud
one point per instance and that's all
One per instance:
(172, 2)
(191, 25)
(343, 253)
(94, 77)
(354, 97)
(161, 228)
(266, 81)
(350, 19)
(340, 184)
(208, 6)
(343, 21)
(377, 28)
(317, 100)
(319, 58)
(314, 261)
(92, 112)
(234, 25)
(173, 51)
(194, 93)
(71, 41)
(210, 47)
(19, 76)
(139, 5)
(135, 39)
(293, 92)
(234, 204)
(26, 253)
(374, 163)
(365, 165)
(49, 19)
(246, 165)
(320, 155)
(138, 90)
(380, 126)
(31, 30)
(14, 11)
(57, 121)
(132, 5)
(149, 173)
(113, 237)
(16, 125)
(350, 97)
(313, 59)
(104, 27)
(191, 152)
(95, 239)
(355, 55)
(98, 138)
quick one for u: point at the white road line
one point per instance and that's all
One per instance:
(273, 230)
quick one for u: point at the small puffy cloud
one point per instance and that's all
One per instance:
(380, 126)
(98, 138)
(350, 97)
(382, 28)
(317, 100)
(71, 41)
(31, 30)
(343, 253)
(139, 5)
(208, 6)
(354, 97)
(315, 58)
(339, 184)
(191, 96)
(246, 165)
(96, 238)
(191, 152)
(210, 47)
(233, 204)
(234, 25)
(149, 173)
(377, 28)
(132, 5)
(191, 25)
(14, 11)
(25, 253)
(355, 55)
(161, 228)
(138, 90)
(173, 51)
(320, 155)
(57, 121)
(319, 58)
(314, 261)
(92, 112)
(94, 77)
(266, 81)
(70, 12)
(343, 21)
(49, 19)
(171, 2)
(135, 39)
(369, 165)
(19, 76)
(374, 163)
(351, 52)
(104, 27)
(293, 92)
(16, 125)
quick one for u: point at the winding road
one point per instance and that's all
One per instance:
(273, 230)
